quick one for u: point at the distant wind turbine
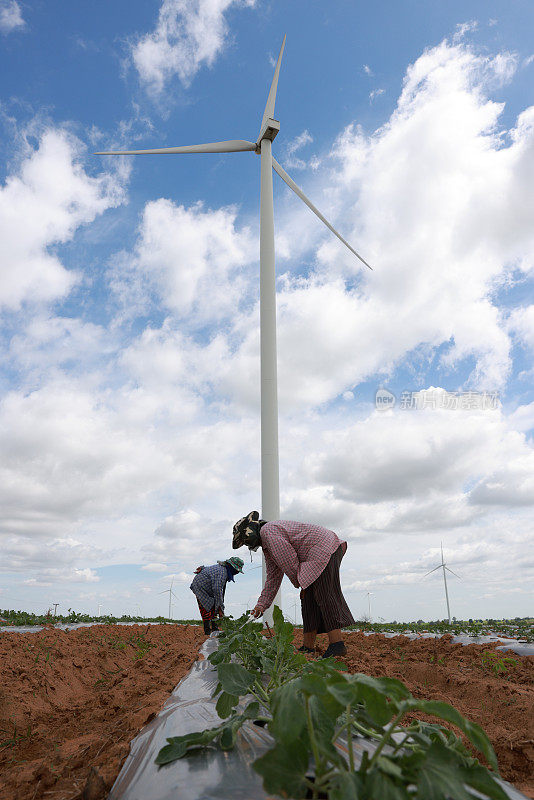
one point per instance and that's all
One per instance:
(445, 568)
(270, 497)
(171, 594)
(369, 603)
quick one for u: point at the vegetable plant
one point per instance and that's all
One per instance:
(496, 663)
(319, 716)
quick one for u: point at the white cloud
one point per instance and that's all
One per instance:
(52, 577)
(463, 28)
(68, 454)
(368, 71)
(521, 323)
(188, 35)
(452, 200)
(189, 257)
(408, 471)
(292, 161)
(375, 93)
(42, 206)
(47, 345)
(10, 16)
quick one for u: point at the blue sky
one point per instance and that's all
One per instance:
(129, 388)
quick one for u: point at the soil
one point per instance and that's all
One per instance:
(502, 703)
(71, 702)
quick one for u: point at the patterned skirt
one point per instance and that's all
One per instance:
(323, 606)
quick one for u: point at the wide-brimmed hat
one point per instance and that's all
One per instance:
(246, 530)
(236, 563)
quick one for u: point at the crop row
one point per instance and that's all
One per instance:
(315, 711)
(518, 628)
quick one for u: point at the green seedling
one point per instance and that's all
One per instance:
(115, 642)
(496, 663)
(17, 737)
(141, 645)
(313, 711)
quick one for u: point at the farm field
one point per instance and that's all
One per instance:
(71, 701)
(478, 680)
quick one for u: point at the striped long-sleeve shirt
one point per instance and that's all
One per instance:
(209, 585)
(297, 549)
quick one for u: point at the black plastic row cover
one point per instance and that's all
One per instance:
(208, 774)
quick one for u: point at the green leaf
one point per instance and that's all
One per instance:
(226, 704)
(389, 687)
(345, 693)
(375, 703)
(483, 781)
(346, 786)
(235, 679)
(313, 684)
(252, 710)
(217, 690)
(380, 785)
(440, 775)
(229, 733)
(267, 664)
(283, 769)
(388, 766)
(283, 630)
(324, 716)
(474, 732)
(289, 713)
(278, 619)
(179, 745)
(217, 657)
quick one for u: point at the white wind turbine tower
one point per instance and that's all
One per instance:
(270, 499)
(445, 568)
(369, 603)
(171, 594)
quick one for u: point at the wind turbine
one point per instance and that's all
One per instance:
(270, 498)
(369, 603)
(170, 591)
(444, 567)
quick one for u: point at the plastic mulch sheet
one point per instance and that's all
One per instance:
(203, 774)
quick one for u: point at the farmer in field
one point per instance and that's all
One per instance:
(209, 586)
(310, 556)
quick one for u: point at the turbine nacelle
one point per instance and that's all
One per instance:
(268, 131)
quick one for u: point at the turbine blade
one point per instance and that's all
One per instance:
(454, 573)
(432, 570)
(232, 146)
(269, 108)
(292, 185)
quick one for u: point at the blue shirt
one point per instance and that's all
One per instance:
(208, 586)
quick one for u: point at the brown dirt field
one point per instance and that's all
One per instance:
(78, 698)
(71, 702)
(436, 669)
